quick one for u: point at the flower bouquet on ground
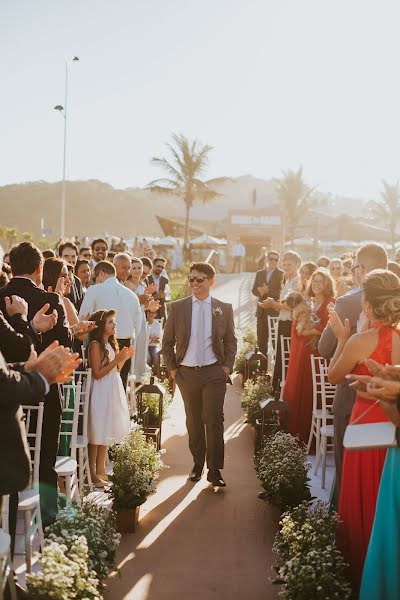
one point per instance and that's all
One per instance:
(98, 525)
(65, 573)
(309, 564)
(136, 465)
(282, 468)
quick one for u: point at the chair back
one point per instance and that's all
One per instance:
(85, 379)
(33, 417)
(285, 354)
(70, 415)
(273, 323)
(323, 391)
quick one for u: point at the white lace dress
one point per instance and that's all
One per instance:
(108, 409)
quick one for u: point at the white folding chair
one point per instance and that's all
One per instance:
(322, 419)
(85, 379)
(6, 572)
(273, 323)
(285, 355)
(29, 499)
(67, 466)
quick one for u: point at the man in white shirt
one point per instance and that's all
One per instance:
(199, 348)
(109, 293)
(238, 253)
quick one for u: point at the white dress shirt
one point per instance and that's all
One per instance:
(190, 359)
(238, 250)
(111, 294)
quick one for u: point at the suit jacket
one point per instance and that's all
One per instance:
(15, 389)
(274, 289)
(347, 307)
(162, 312)
(77, 293)
(15, 338)
(36, 298)
(178, 330)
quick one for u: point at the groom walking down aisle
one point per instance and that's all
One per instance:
(199, 348)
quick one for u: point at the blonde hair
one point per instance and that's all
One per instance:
(381, 289)
(292, 255)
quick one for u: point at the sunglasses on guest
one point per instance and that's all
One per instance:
(196, 279)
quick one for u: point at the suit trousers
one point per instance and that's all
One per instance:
(203, 392)
(124, 373)
(48, 455)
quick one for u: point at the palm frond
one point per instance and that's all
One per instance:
(165, 164)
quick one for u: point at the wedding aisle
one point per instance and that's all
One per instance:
(192, 542)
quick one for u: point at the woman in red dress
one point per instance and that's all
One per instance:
(298, 390)
(362, 469)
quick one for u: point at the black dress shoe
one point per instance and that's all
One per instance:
(215, 478)
(196, 473)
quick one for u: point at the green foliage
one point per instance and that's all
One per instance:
(98, 526)
(254, 392)
(136, 465)
(248, 345)
(65, 573)
(282, 468)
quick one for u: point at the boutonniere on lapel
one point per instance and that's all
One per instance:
(217, 312)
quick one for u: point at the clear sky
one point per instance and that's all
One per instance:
(269, 83)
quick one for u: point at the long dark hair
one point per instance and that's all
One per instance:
(51, 272)
(96, 335)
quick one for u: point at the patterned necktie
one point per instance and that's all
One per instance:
(200, 335)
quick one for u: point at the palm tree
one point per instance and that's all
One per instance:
(294, 199)
(186, 165)
(388, 210)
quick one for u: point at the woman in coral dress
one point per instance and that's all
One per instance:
(298, 390)
(362, 469)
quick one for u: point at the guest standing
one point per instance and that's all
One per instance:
(83, 271)
(306, 270)
(268, 283)
(238, 254)
(68, 251)
(298, 390)
(134, 283)
(162, 293)
(110, 294)
(362, 469)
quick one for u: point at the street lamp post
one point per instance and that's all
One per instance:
(63, 111)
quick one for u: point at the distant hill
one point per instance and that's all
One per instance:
(95, 207)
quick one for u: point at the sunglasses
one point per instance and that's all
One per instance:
(196, 279)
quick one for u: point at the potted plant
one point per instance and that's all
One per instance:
(65, 574)
(248, 343)
(282, 468)
(254, 392)
(136, 465)
(98, 525)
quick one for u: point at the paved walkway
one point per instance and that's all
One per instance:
(193, 542)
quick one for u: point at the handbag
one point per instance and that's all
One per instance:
(371, 435)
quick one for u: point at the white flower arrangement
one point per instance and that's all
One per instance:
(98, 526)
(254, 392)
(217, 312)
(65, 574)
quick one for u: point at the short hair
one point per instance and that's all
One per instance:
(203, 267)
(147, 262)
(324, 259)
(373, 255)
(48, 253)
(329, 284)
(274, 252)
(67, 244)
(122, 255)
(51, 272)
(160, 259)
(79, 262)
(84, 249)
(25, 258)
(292, 255)
(99, 241)
(104, 266)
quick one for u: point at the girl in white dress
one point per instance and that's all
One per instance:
(108, 408)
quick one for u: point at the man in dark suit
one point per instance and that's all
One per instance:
(199, 348)
(68, 251)
(368, 258)
(27, 265)
(267, 283)
(162, 285)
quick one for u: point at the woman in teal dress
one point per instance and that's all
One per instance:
(381, 575)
